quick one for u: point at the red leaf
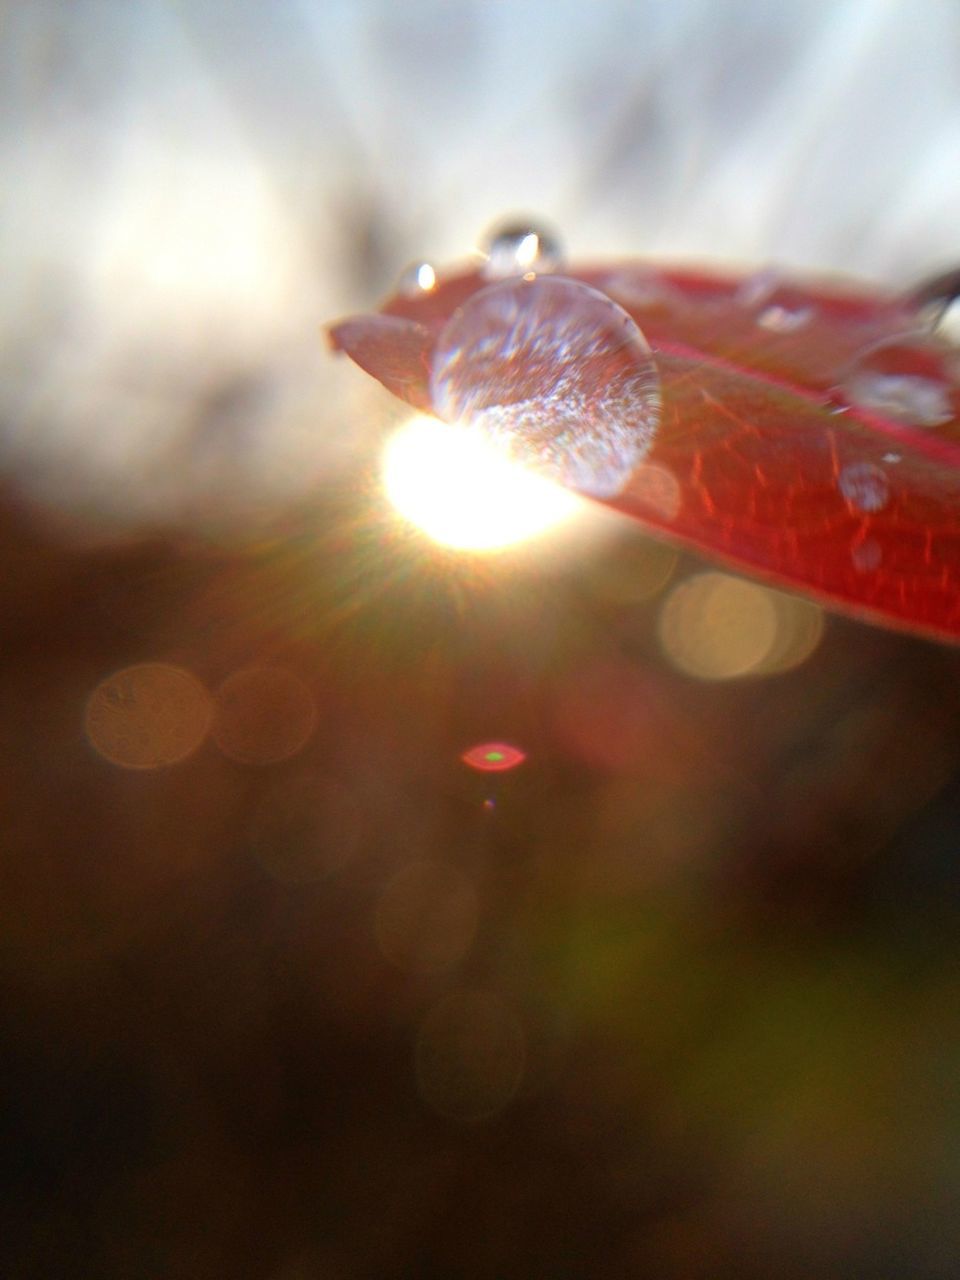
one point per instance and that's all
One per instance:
(809, 433)
(395, 351)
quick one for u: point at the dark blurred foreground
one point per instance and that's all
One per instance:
(676, 996)
(290, 991)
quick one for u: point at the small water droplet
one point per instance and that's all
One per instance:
(937, 302)
(758, 288)
(918, 402)
(657, 489)
(418, 278)
(643, 289)
(835, 401)
(947, 323)
(903, 380)
(780, 306)
(517, 248)
(555, 372)
(892, 458)
(784, 319)
(867, 556)
(864, 486)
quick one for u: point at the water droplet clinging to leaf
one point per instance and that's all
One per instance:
(555, 372)
(865, 487)
(516, 248)
(903, 380)
(937, 301)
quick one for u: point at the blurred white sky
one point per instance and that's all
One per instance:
(191, 186)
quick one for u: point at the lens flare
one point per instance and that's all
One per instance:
(493, 757)
(263, 715)
(717, 627)
(148, 716)
(464, 493)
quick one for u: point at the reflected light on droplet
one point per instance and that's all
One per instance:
(493, 757)
(717, 627)
(515, 248)
(426, 277)
(418, 279)
(426, 918)
(264, 714)
(527, 251)
(464, 493)
(147, 716)
(470, 1056)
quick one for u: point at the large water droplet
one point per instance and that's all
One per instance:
(516, 248)
(555, 372)
(903, 380)
(864, 486)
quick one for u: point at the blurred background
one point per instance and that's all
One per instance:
(373, 908)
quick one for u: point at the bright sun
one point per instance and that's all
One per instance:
(463, 493)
